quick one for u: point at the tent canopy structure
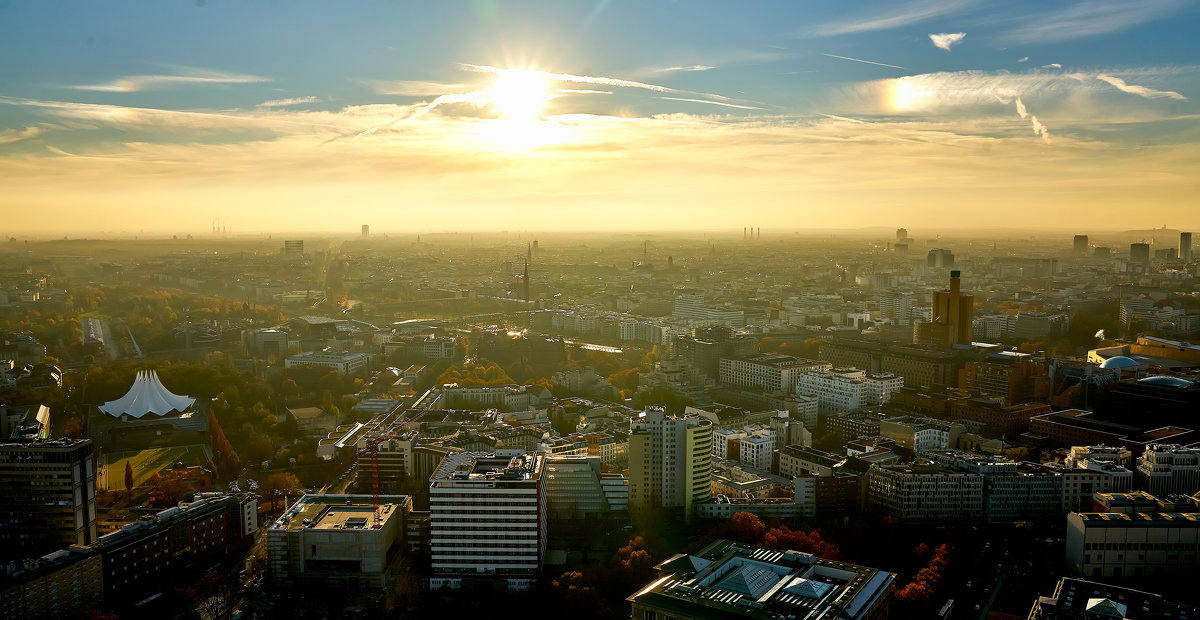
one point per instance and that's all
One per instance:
(148, 395)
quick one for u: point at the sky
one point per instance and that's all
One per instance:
(167, 116)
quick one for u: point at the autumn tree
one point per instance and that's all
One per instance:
(745, 527)
(783, 537)
(279, 484)
(128, 476)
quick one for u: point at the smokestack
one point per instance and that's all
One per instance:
(743, 232)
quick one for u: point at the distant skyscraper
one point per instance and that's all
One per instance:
(1081, 244)
(938, 257)
(901, 235)
(293, 248)
(952, 317)
(1185, 246)
(1139, 252)
(366, 230)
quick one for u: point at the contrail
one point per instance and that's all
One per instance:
(869, 62)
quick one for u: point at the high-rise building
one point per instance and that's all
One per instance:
(1139, 253)
(670, 462)
(47, 496)
(293, 248)
(952, 317)
(938, 257)
(488, 518)
(901, 235)
(1081, 244)
(1185, 246)
(366, 230)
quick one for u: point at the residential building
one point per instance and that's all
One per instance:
(488, 519)
(799, 460)
(57, 585)
(732, 580)
(47, 496)
(339, 541)
(921, 434)
(847, 389)
(670, 461)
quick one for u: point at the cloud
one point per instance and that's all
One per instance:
(1023, 59)
(720, 103)
(1053, 65)
(190, 77)
(1038, 128)
(281, 103)
(945, 40)
(582, 91)
(903, 15)
(1091, 18)
(1142, 91)
(869, 62)
(691, 68)
(413, 88)
(8, 136)
(567, 77)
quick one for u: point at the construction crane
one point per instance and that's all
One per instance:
(373, 448)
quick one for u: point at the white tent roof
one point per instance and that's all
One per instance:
(148, 395)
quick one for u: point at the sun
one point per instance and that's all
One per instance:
(519, 94)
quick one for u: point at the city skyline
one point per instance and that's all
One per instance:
(600, 115)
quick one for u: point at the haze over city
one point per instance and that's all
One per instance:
(162, 117)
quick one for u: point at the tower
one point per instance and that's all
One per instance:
(1185, 246)
(670, 463)
(525, 281)
(1080, 244)
(952, 316)
(1139, 253)
(366, 230)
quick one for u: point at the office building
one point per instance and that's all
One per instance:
(1081, 244)
(488, 519)
(921, 434)
(1139, 544)
(917, 365)
(366, 230)
(991, 418)
(952, 317)
(731, 580)
(1011, 491)
(1164, 469)
(1185, 246)
(847, 389)
(924, 492)
(1077, 598)
(769, 372)
(47, 496)
(585, 508)
(339, 541)
(293, 248)
(901, 235)
(940, 258)
(345, 363)
(670, 461)
(1139, 253)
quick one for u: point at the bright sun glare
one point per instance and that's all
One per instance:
(519, 95)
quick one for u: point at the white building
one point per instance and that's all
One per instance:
(488, 518)
(345, 363)
(848, 389)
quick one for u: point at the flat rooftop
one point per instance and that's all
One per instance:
(338, 512)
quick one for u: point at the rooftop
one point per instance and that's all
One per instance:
(339, 512)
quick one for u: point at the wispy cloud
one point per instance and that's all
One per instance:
(414, 88)
(1053, 65)
(1142, 91)
(190, 77)
(1023, 59)
(1090, 18)
(903, 15)
(582, 91)
(567, 77)
(8, 136)
(946, 39)
(720, 103)
(869, 62)
(1038, 128)
(282, 103)
(691, 68)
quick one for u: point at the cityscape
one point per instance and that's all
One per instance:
(599, 310)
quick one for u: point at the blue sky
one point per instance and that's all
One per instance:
(796, 111)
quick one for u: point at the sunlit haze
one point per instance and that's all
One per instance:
(122, 118)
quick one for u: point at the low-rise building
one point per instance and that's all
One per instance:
(1077, 598)
(339, 541)
(921, 434)
(345, 363)
(731, 580)
(1113, 544)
